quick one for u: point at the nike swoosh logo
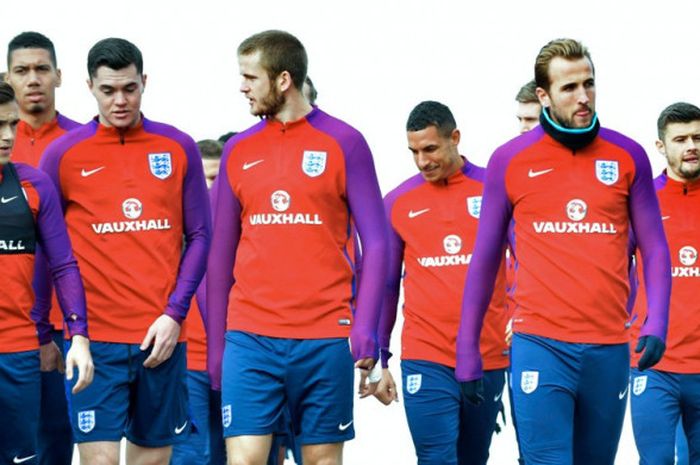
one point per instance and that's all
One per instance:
(622, 394)
(23, 459)
(85, 173)
(412, 214)
(180, 429)
(4, 200)
(344, 426)
(251, 164)
(534, 174)
(665, 218)
(497, 397)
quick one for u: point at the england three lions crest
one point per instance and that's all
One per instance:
(607, 171)
(86, 420)
(314, 163)
(161, 164)
(474, 206)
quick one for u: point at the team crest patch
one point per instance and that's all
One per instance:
(607, 171)
(474, 206)
(639, 385)
(86, 420)
(161, 164)
(226, 415)
(413, 383)
(314, 163)
(529, 381)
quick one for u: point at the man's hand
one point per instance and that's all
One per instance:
(79, 357)
(653, 348)
(163, 334)
(473, 391)
(50, 358)
(386, 389)
(367, 386)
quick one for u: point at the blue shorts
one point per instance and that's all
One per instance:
(312, 377)
(205, 446)
(659, 400)
(570, 400)
(55, 434)
(148, 406)
(20, 385)
(446, 428)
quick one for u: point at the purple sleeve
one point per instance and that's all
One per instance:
(57, 253)
(387, 319)
(650, 238)
(496, 212)
(367, 209)
(196, 219)
(222, 256)
(41, 309)
(365, 201)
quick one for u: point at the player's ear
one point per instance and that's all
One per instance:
(143, 82)
(58, 78)
(284, 81)
(661, 147)
(542, 96)
(456, 136)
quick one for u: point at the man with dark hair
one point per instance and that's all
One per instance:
(309, 91)
(529, 108)
(289, 188)
(574, 191)
(30, 215)
(34, 76)
(669, 393)
(211, 158)
(432, 234)
(132, 189)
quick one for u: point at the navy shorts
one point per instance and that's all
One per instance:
(313, 377)
(446, 428)
(570, 399)
(20, 385)
(148, 406)
(659, 400)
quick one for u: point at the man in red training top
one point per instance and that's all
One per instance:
(33, 74)
(132, 189)
(669, 392)
(574, 192)
(280, 277)
(433, 218)
(30, 215)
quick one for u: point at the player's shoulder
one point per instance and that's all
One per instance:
(516, 146)
(342, 132)
(617, 138)
(168, 131)
(238, 139)
(66, 141)
(404, 188)
(65, 123)
(34, 176)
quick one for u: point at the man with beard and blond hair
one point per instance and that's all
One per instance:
(668, 394)
(33, 74)
(280, 282)
(575, 191)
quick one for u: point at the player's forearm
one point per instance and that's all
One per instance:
(387, 317)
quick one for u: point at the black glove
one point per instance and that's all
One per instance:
(473, 391)
(653, 348)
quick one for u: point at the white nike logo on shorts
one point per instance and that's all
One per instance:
(4, 200)
(343, 427)
(622, 394)
(23, 459)
(180, 429)
(497, 397)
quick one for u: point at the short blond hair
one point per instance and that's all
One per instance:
(569, 49)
